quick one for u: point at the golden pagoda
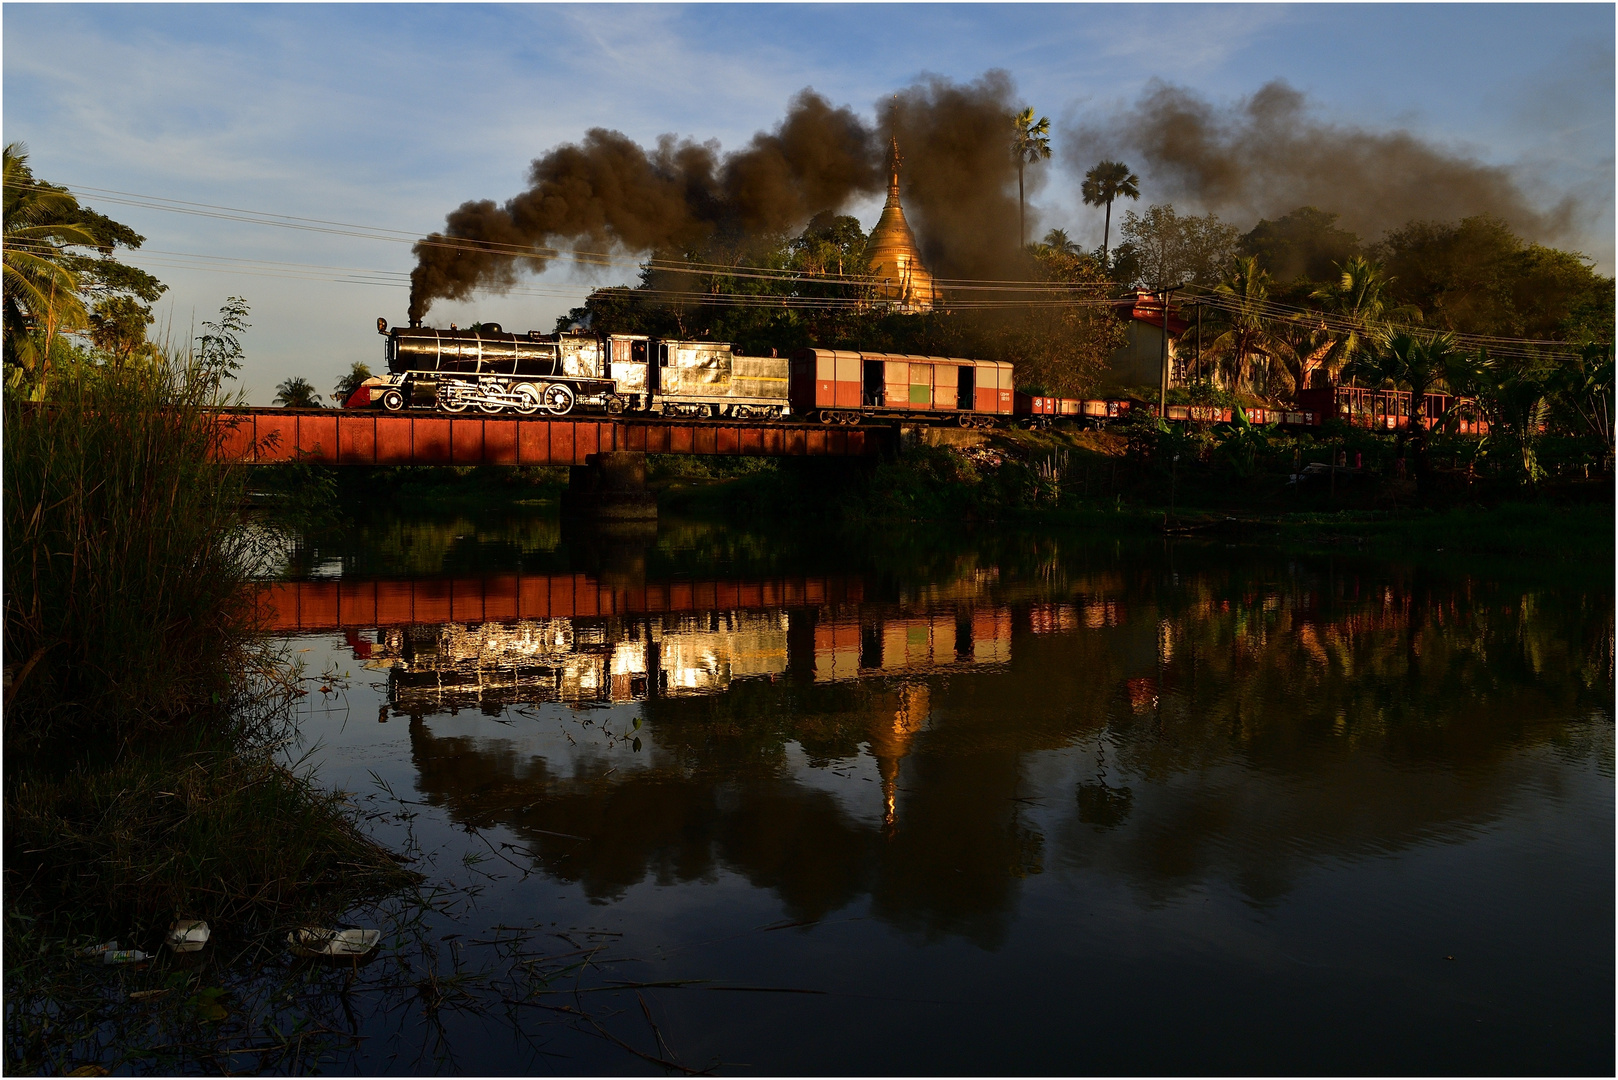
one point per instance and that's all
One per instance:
(889, 738)
(895, 260)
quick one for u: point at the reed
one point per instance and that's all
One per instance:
(145, 717)
(124, 557)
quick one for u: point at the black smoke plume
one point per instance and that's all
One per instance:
(1268, 155)
(959, 181)
(959, 185)
(608, 191)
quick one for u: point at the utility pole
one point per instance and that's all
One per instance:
(1163, 399)
(1199, 340)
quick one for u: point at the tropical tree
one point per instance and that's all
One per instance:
(1584, 386)
(1107, 181)
(1163, 249)
(1058, 241)
(60, 276)
(1361, 299)
(349, 383)
(1251, 350)
(1030, 142)
(41, 292)
(297, 393)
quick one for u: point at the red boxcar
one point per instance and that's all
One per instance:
(846, 387)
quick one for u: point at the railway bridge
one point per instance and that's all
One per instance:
(607, 453)
(364, 437)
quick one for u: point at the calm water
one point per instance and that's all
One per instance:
(1005, 804)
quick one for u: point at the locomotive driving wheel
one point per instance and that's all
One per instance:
(558, 399)
(392, 400)
(528, 399)
(449, 404)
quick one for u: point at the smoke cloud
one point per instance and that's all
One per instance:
(959, 181)
(1268, 155)
(608, 191)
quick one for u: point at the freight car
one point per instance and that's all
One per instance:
(838, 387)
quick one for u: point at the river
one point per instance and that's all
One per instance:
(919, 803)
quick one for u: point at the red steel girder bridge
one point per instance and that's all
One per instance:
(343, 437)
(334, 605)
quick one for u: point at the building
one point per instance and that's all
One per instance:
(1138, 363)
(895, 260)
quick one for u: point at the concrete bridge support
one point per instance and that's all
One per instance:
(610, 487)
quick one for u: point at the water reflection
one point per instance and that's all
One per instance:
(1168, 725)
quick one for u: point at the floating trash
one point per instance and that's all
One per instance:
(188, 935)
(312, 941)
(123, 956)
(97, 950)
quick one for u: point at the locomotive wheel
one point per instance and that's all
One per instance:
(528, 399)
(392, 400)
(964, 419)
(828, 417)
(741, 412)
(558, 399)
(491, 406)
(448, 406)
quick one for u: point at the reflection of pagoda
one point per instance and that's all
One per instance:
(894, 258)
(890, 738)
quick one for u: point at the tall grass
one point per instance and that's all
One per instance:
(124, 559)
(145, 716)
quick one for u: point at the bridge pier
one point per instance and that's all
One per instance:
(610, 487)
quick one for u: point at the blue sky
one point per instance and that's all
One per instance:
(389, 116)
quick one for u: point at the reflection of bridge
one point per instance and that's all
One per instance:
(335, 605)
(344, 437)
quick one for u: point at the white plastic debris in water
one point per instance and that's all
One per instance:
(98, 950)
(188, 935)
(123, 956)
(312, 941)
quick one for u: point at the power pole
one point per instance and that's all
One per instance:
(1163, 398)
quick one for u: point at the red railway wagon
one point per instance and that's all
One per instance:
(841, 387)
(1038, 411)
(1389, 410)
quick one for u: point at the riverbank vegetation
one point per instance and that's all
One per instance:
(146, 721)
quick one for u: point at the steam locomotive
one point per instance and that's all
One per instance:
(486, 368)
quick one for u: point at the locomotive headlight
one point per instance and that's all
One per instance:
(381, 326)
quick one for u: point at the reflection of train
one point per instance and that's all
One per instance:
(581, 661)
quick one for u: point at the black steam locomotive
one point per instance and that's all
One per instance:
(486, 368)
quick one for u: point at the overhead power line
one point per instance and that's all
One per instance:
(965, 293)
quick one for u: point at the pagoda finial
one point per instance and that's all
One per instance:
(894, 161)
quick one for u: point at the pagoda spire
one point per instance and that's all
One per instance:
(894, 257)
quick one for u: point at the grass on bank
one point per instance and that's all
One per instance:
(145, 718)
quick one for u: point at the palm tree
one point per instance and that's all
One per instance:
(1057, 240)
(1030, 142)
(1109, 180)
(297, 393)
(1362, 297)
(40, 292)
(1250, 347)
